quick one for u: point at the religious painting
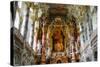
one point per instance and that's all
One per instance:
(58, 44)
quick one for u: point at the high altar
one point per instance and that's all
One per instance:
(60, 41)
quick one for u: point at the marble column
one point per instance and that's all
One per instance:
(36, 35)
(43, 60)
(72, 49)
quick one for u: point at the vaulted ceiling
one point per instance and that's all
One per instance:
(64, 10)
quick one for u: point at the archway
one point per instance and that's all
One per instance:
(59, 61)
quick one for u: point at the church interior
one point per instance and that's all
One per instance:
(50, 33)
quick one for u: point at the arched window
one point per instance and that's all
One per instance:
(17, 20)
